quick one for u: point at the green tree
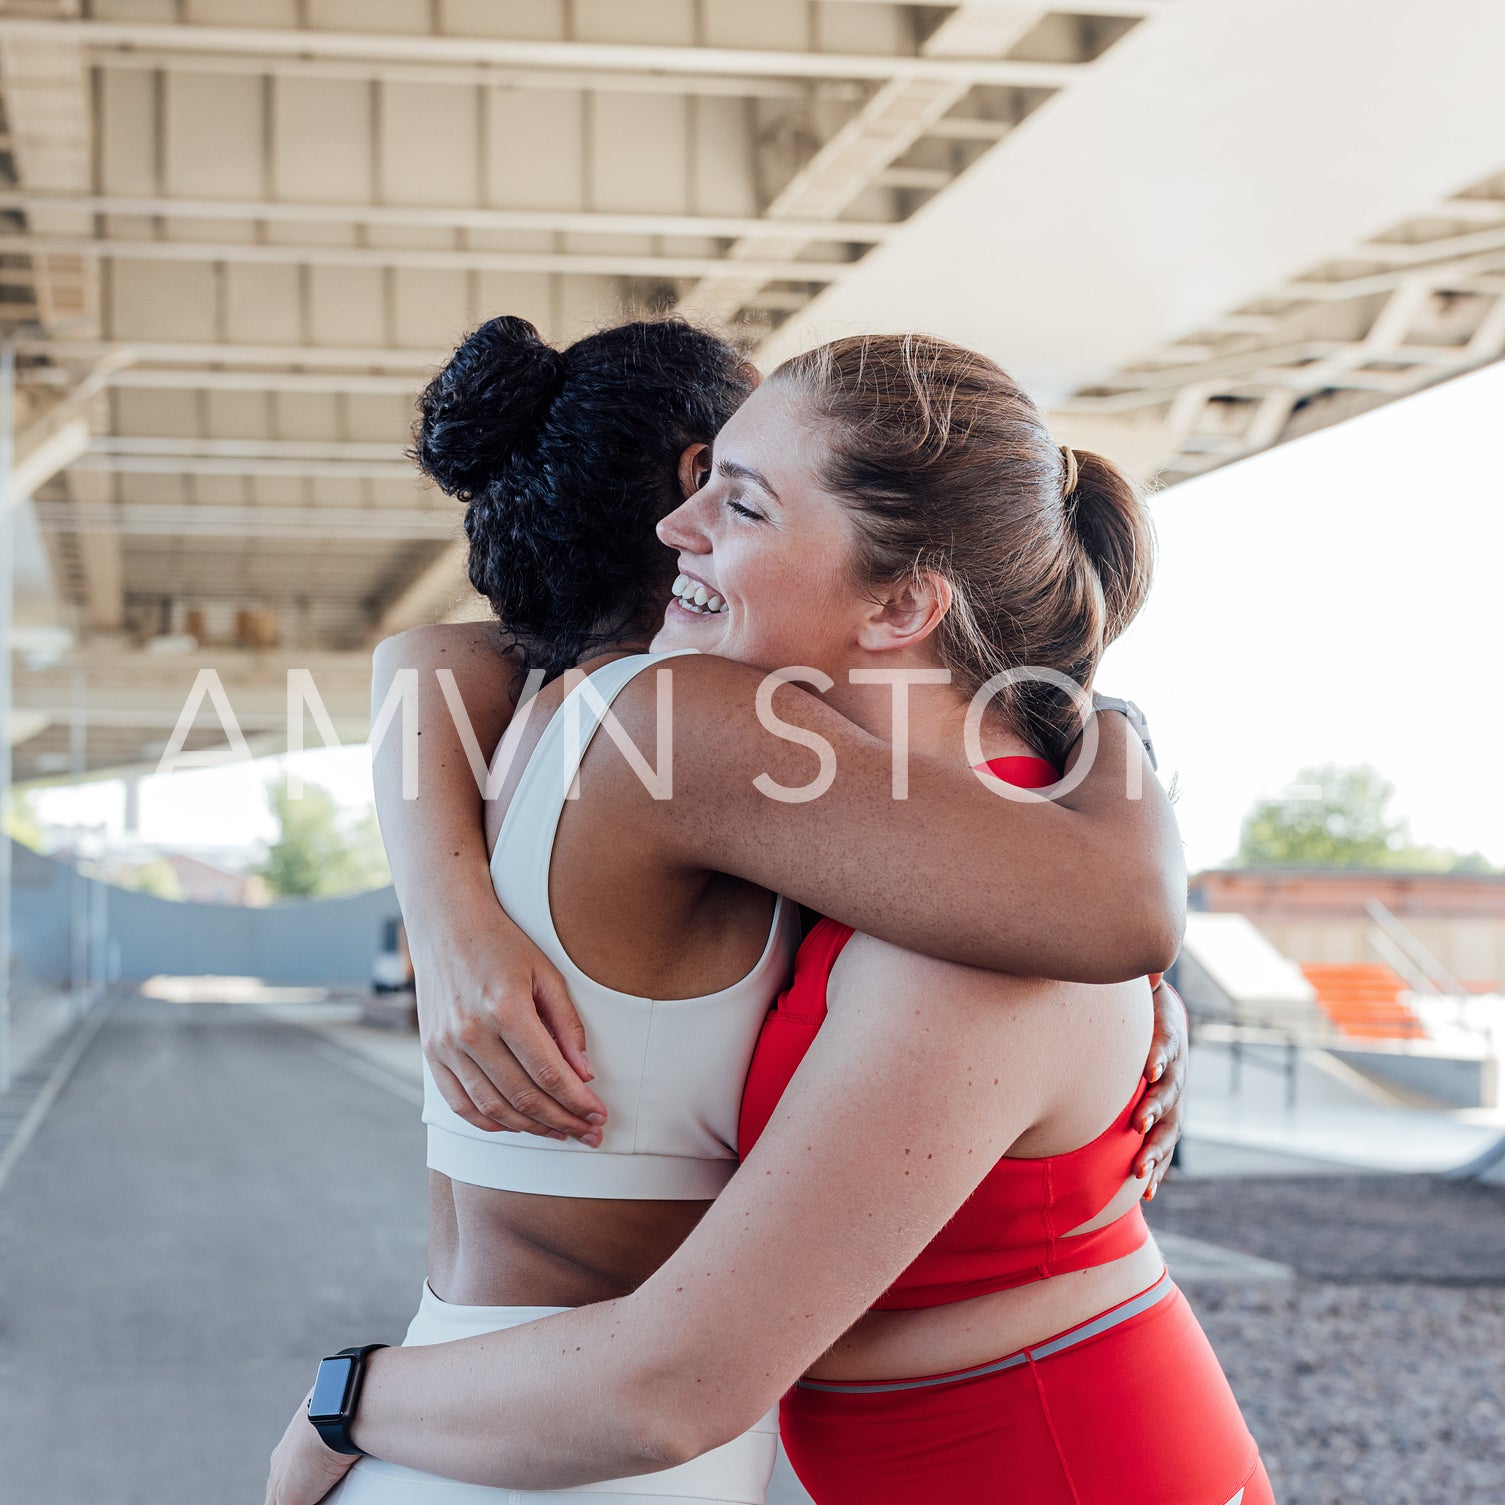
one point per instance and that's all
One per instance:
(1343, 822)
(319, 849)
(22, 823)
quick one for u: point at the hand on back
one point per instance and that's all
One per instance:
(502, 1038)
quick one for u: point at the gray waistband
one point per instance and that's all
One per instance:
(1109, 1319)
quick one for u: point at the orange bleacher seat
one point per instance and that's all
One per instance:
(1363, 999)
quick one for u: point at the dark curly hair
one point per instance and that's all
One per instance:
(565, 460)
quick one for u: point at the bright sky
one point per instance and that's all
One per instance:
(211, 807)
(1339, 599)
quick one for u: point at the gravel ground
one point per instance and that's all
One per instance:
(1368, 1394)
(1391, 1228)
(1377, 1375)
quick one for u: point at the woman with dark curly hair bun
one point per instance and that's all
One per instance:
(656, 876)
(565, 460)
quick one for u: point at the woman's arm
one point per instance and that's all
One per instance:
(1087, 888)
(480, 981)
(1093, 884)
(853, 1177)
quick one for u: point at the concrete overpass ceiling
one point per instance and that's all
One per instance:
(236, 234)
(1248, 222)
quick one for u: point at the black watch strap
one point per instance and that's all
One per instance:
(337, 1392)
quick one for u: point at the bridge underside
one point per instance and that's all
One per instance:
(235, 234)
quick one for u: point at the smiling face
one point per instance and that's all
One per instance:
(765, 553)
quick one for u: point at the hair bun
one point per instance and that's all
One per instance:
(1110, 518)
(487, 403)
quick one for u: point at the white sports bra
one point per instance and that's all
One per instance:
(670, 1071)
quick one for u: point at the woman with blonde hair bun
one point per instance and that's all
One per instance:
(932, 1249)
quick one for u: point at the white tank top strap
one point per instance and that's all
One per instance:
(525, 845)
(670, 1071)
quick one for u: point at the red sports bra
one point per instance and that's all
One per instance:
(1016, 1226)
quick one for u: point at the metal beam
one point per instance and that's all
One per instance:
(205, 465)
(139, 688)
(926, 179)
(864, 150)
(181, 379)
(47, 109)
(575, 263)
(101, 559)
(482, 76)
(1487, 342)
(609, 57)
(463, 217)
(1140, 389)
(54, 442)
(969, 128)
(1412, 253)
(1441, 274)
(261, 449)
(1128, 8)
(1478, 211)
(258, 520)
(180, 352)
(844, 165)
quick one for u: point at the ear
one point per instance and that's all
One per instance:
(906, 614)
(694, 468)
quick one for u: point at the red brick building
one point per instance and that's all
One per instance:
(1314, 915)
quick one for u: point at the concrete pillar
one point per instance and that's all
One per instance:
(7, 645)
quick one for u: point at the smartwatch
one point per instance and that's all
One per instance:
(337, 1389)
(1136, 719)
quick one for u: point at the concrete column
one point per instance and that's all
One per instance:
(7, 645)
(79, 915)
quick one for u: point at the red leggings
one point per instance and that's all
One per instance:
(1138, 1414)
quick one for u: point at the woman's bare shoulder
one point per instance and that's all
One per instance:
(1073, 1049)
(702, 677)
(870, 971)
(712, 703)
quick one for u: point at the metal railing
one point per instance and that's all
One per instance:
(1265, 1046)
(1419, 967)
(1427, 978)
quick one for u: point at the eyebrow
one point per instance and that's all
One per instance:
(732, 471)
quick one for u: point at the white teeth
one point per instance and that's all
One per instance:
(694, 596)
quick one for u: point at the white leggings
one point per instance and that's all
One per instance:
(735, 1474)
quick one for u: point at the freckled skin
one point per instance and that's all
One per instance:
(774, 573)
(542, 1244)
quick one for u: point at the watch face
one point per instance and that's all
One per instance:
(330, 1388)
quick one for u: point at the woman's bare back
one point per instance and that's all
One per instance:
(635, 927)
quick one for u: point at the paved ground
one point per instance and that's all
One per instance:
(1339, 1119)
(41, 1031)
(163, 1286)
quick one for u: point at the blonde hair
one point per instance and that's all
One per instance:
(949, 467)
